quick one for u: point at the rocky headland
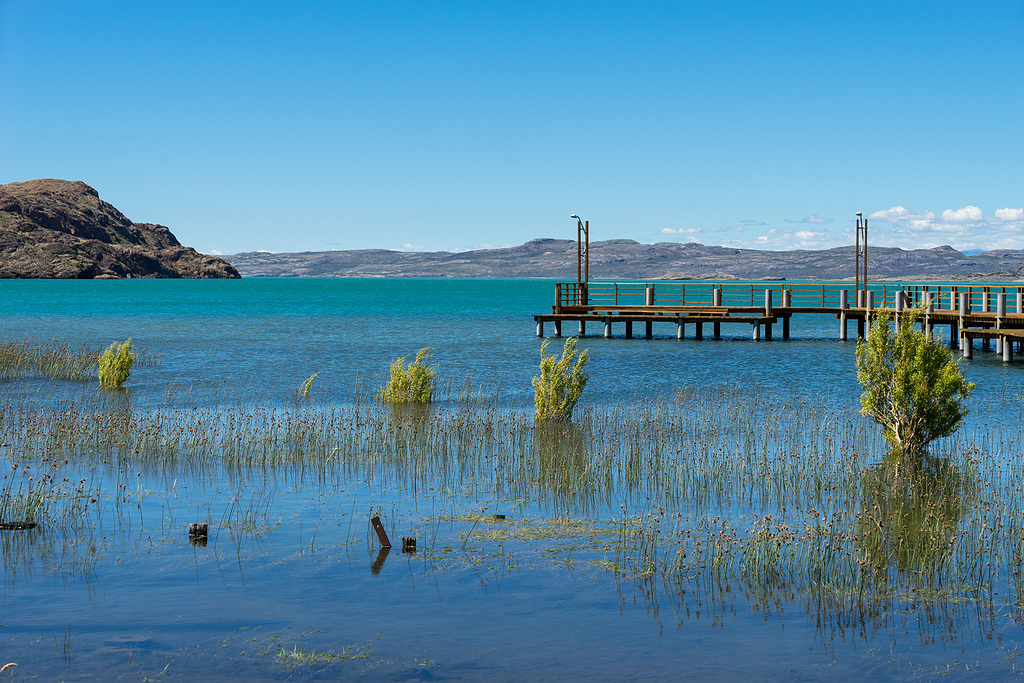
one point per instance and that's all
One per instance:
(62, 229)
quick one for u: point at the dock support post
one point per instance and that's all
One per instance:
(583, 328)
(860, 328)
(607, 329)
(767, 303)
(1008, 351)
(964, 310)
(757, 332)
(869, 305)
(954, 335)
(767, 331)
(1000, 315)
(680, 329)
(540, 328)
(650, 329)
(967, 346)
(718, 330)
(699, 333)
(929, 308)
(558, 328)
(844, 303)
(629, 329)
(785, 327)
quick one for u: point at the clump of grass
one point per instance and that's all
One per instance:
(410, 384)
(307, 385)
(561, 382)
(116, 364)
(303, 657)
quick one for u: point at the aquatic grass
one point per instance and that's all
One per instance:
(53, 360)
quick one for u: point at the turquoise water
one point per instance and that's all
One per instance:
(129, 596)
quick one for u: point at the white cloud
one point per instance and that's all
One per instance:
(678, 231)
(813, 219)
(898, 213)
(409, 246)
(1009, 214)
(805, 234)
(215, 252)
(964, 215)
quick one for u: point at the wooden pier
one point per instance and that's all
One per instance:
(984, 312)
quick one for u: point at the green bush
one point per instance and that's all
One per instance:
(410, 384)
(913, 386)
(561, 382)
(116, 364)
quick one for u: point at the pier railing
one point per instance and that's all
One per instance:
(824, 295)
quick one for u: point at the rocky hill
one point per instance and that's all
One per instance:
(61, 229)
(627, 259)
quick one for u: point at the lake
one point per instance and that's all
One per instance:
(710, 513)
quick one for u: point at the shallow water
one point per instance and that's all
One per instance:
(291, 562)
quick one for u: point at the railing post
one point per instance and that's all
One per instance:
(787, 298)
(558, 297)
(648, 295)
(716, 295)
(767, 303)
(844, 303)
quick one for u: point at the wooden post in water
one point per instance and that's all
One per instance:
(929, 308)
(718, 330)
(650, 329)
(757, 332)
(583, 328)
(967, 346)
(699, 333)
(558, 328)
(844, 303)
(540, 328)
(965, 308)
(869, 305)
(607, 328)
(1000, 314)
(680, 329)
(629, 329)
(1007, 350)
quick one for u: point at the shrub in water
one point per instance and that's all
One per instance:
(116, 364)
(307, 385)
(913, 386)
(412, 384)
(561, 382)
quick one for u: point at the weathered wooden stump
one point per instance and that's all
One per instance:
(408, 544)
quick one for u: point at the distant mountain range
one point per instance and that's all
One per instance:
(627, 259)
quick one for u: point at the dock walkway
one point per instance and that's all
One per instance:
(985, 312)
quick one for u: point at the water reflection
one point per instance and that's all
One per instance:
(907, 525)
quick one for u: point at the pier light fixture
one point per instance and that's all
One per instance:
(582, 259)
(861, 263)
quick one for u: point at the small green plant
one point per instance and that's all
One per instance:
(561, 382)
(913, 386)
(116, 364)
(410, 384)
(307, 385)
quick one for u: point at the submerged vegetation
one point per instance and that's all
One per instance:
(410, 384)
(561, 382)
(704, 498)
(913, 386)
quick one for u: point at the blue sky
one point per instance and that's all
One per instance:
(455, 125)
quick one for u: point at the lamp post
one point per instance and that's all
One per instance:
(582, 259)
(862, 254)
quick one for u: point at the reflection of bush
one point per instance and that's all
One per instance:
(909, 519)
